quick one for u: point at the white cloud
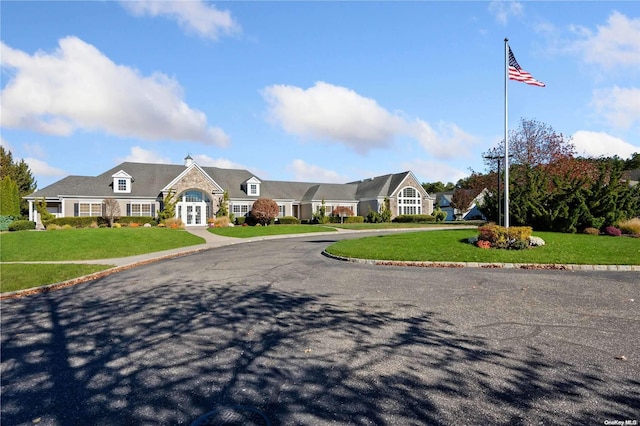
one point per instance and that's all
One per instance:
(222, 163)
(141, 155)
(341, 115)
(448, 142)
(597, 144)
(41, 168)
(435, 171)
(193, 16)
(619, 106)
(77, 87)
(333, 112)
(504, 10)
(303, 172)
(612, 45)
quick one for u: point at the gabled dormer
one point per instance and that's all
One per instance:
(122, 182)
(252, 187)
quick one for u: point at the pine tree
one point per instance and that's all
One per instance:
(21, 175)
(9, 197)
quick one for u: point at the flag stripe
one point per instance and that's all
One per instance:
(518, 74)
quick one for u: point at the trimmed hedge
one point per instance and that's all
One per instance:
(76, 222)
(132, 219)
(354, 219)
(86, 221)
(414, 218)
(288, 220)
(22, 225)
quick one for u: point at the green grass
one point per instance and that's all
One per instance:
(262, 231)
(85, 244)
(451, 246)
(23, 276)
(394, 225)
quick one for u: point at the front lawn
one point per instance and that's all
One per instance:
(263, 231)
(23, 276)
(85, 244)
(451, 246)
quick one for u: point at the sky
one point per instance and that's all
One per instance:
(330, 91)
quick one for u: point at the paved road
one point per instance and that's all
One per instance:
(274, 327)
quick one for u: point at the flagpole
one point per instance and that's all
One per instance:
(506, 134)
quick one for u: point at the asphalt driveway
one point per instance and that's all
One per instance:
(274, 330)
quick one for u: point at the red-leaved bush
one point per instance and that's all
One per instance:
(613, 231)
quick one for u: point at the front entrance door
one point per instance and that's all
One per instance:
(192, 214)
(193, 208)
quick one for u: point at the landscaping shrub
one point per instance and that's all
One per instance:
(173, 223)
(21, 225)
(67, 227)
(264, 211)
(53, 227)
(240, 220)
(76, 222)
(288, 220)
(591, 231)
(5, 221)
(483, 244)
(414, 218)
(612, 231)
(631, 226)
(373, 217)
(221, 222)
(134, 225)
(440, 215)
(140, 220)
(354, 219)
(515, 237)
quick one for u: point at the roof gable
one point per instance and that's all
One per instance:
(194, 167)
(122, 174)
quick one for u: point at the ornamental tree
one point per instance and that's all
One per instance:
(264, 210)
(111, 210)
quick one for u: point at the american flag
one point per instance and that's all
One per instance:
(518, 74)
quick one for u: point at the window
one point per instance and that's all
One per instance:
(193, 197)
(122, 185)
(253, 189)
(409, 201)
(240, 209)
(89, 209)
(140, 209)
(281, 211)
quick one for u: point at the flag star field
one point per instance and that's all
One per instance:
(310, 91)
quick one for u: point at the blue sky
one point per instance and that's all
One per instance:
(310, 91)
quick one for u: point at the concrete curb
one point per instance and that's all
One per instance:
(444, 264)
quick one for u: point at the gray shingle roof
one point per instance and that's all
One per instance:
(149, 179)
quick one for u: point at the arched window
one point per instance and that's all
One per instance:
(409, 201)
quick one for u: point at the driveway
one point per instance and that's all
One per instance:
(274, 330)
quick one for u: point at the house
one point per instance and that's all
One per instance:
(140, 189)
(443, 199)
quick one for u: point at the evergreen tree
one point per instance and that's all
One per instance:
(21, 175)
(9, 197)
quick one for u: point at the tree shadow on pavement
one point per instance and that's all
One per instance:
(167, 353)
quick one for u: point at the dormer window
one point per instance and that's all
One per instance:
(122, 182)
(253, 187)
